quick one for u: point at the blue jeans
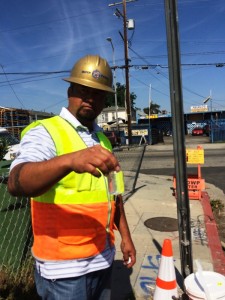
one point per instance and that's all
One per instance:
(92, 286)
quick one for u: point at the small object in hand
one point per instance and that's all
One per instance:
(127, 262)
(115, 183)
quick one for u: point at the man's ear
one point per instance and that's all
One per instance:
(70, 92)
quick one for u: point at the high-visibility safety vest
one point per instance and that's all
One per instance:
(75, 217)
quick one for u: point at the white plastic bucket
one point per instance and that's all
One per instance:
(215, 284)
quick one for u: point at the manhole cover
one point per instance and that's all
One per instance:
(165, 224)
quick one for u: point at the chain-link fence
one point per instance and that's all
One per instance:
(15, 227)
(16, 262)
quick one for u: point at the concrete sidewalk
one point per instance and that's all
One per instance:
(153, 199)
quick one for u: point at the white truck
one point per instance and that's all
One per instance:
(12, 143)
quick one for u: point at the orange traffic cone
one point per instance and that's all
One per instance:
(166, 285)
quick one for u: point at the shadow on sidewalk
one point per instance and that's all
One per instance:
(121, 286)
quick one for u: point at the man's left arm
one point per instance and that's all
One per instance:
(127, 246)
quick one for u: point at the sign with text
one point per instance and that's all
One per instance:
(137, 132)
(196, 183)
(195, 156)
(199, 108)
(152, 116)
(195, 186)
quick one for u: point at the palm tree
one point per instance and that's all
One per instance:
(154, 109)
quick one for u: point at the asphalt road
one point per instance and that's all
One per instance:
(161, 162)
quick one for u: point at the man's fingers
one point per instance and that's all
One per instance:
(96, 172)
(94, 160)
(104, 160)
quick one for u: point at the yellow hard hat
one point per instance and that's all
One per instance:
(92, 71)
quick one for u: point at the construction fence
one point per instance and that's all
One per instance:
(16, 262)
(15, 119)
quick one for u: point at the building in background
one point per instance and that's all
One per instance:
(16, 119)
(107, 118)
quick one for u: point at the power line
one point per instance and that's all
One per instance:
(152, 66)
(43, 74)
(137, 66)
(44, 78)
(12, 87)
(35, 73)
(50, 106)
(148, 86)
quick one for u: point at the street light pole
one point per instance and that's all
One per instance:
(149, 113)
(212, 133)
(211, 114)
(109, 39)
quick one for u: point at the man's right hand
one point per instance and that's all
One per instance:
(35, 178)
(93, 160)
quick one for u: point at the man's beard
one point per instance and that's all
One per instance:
(86, 116)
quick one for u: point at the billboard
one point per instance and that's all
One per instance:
(199, 108)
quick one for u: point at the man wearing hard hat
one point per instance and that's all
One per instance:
(63, 164)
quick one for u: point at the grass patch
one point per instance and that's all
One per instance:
(20, 287)
(217, 205)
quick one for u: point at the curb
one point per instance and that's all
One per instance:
(214, 243)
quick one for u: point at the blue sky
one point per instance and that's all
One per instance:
(50, 35)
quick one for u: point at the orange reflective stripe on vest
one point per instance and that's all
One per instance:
(70, 231)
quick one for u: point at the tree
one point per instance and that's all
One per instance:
(3, 148)
(121, 95)
(154, 109)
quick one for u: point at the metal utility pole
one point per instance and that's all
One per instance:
(183, 208)
(149, 114)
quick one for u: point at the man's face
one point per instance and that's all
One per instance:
(86, 103)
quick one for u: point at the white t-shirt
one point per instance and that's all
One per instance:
(37, 145)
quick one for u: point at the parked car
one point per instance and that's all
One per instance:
(9, 145)
(167, 132)
(197, 131)
(206, 130)
(114, 138)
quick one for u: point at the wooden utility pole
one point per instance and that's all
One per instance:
(128, 105)
(126, 66)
